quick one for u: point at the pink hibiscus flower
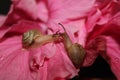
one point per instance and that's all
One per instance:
(87, 22)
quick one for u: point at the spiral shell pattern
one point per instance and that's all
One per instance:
(28, 37)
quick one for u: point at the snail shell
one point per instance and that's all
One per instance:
(28, 37)
(76, 53)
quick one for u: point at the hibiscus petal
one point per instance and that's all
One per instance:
(3, 31)
(14, 62)
(113, 56)
(111, 34)
(59, 66)
(19, 28)
(27, 6)
(2, 19)
(25, 25)
(10, 60)
(65, 10)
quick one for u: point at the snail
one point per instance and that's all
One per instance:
(34, 38)
(74, 50)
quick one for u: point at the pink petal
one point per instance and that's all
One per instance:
(60, 10)
(53, 60)
(19, 28)
(43, 52)
(68, 11)
(42, 11)
(92, 20)
(100, 14)
(15, 59)
(26, 6)
(21, 10)
(113, 56)
(93, 48)
(25, 25)
(14, 62)
(111, 33)
(11, 59)
(2, 19)
(3, 31)
(59, 66)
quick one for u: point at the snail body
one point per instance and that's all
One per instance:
(34, 38)
(74, 50)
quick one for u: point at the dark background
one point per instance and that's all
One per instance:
(100, 69)
(4, 6)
